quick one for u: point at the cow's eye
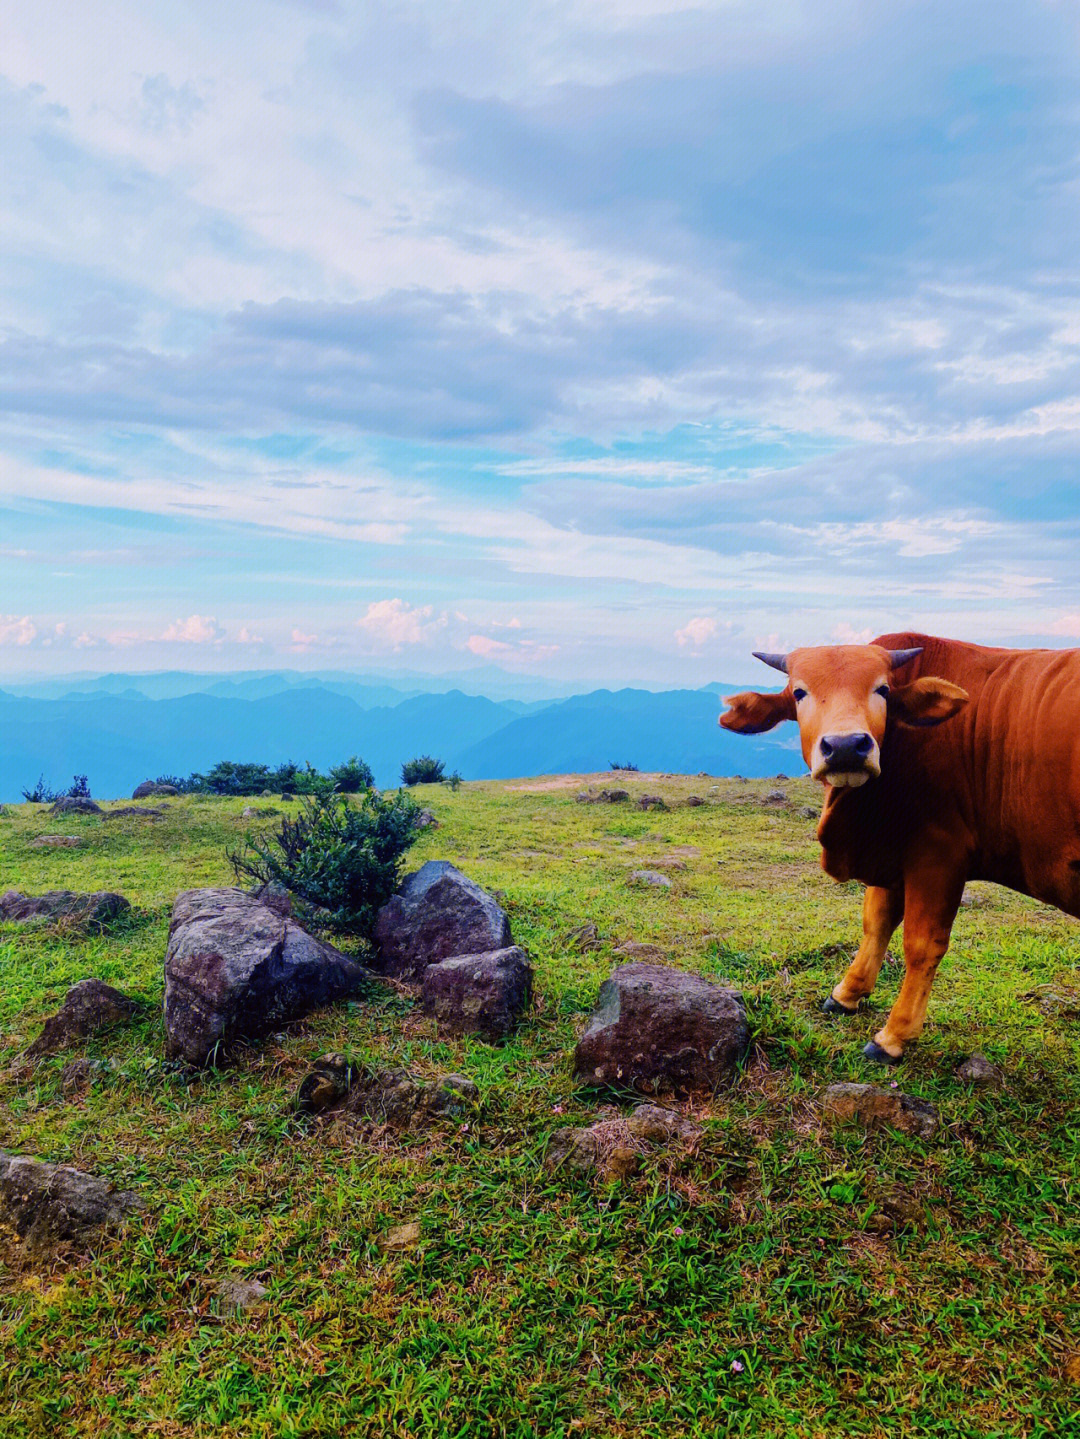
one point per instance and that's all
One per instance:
(799, 694)
(883, 691)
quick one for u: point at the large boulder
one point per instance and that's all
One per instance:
(479, 993)
(438, 912)
(235, 967)
(658, 1029)
(76, 804)
(92, 911)
(151, 787)
(50, 1203)
(88, 1007)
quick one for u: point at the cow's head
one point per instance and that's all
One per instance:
(842, 697)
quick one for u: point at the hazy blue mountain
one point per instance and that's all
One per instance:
(122, 738)
(674, 730)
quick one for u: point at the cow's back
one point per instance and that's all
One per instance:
(1007, 768)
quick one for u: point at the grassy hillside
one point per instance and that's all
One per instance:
(786, 1279)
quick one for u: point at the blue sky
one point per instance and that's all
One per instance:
(599, 342)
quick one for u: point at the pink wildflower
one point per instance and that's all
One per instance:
(736, 1367)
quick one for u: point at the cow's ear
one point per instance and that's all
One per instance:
(926, 701)
(752, 713)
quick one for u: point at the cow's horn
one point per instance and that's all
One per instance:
(778, 662)
(901, 657)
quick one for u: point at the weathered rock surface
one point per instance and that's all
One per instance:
(75, 804)
(49, 1203)
(239, 1295)
(651, 878)
(93, 911)
(605, 796)
(652, 953)
(881, 1108)
(583, 938)
(482, 994)
(56, 841)
(775, 797)
(144, 811)
(88, 1007)
(275, 896)
(235, 968)
(977, 1069)
(437, 913)
(384, 1096)
(151, 787)
(657, 1029)
(425, 820)
(651, 801)
(614, 1145)
(694, 801)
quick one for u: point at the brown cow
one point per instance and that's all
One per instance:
(915, 806)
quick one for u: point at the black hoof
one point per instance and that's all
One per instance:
(878, 1055)
(833, 1006)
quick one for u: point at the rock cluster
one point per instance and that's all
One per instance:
(235, 967)
(383, 1096)
(657, 1029)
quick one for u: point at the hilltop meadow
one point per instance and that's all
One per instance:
(783, 1277)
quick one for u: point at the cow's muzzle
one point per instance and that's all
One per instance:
(847, 759)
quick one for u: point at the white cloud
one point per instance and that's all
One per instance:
(395, 624)
(17, 630)
(696, 632)
(195, 630)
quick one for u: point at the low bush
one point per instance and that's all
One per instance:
(80, 788)
(627, 768)
(422, 770)
(352, 776)
(340, 859)
(41, 793)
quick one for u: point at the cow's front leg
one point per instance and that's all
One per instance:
(882, 911)
(931, 899)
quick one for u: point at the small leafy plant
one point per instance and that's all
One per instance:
(628, 768)
(352, 776)
(41, 793)
(340, 859)
(80, 788)
(422, 770)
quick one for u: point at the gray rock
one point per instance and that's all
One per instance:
(75, 804)
(238, 1295)
(662, 1126)
(657, 1029)
(693, 801)
(605, 796)
(650, 877)
(807, 811)
(613, 1147)
(876, 1108)
(774, 797)
(56, 841)
(393, 1096)
(977, 1069)
(88, 1007)
(425, 820)
(275, 896)
(482, 994)
(235, 968)
(150, 787)
(51, 1203)
(651, 801)
(144, 811)
(91, 911)
(437, 913)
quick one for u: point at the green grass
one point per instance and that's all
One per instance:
(866, 1284)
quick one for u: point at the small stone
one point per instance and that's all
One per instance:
(631, 949)
(393, 1096)
(807, 811)
(881, 1109)
(326, 1085)
(973, 898)
(651, 801)
(775, 797)
(405, 1236)
(977, 1069)
(88, 1007)
(238, 1295)
(425, 820)
(693, 801)
(56, 841)
(651, 878)
(661, 1126)
(583, 939)
(248, 812)
(573, 1149)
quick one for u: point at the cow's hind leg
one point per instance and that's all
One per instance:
(931, 900)
(882, 911)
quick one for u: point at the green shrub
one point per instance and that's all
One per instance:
(352, 776)
(41, 793)
(454, 781)
(423, 770)
(234, 779)
(340, 859)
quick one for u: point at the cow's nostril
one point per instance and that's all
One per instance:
(826, 747)
(863, 744)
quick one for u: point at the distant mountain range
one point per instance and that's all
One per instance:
(115, 733)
